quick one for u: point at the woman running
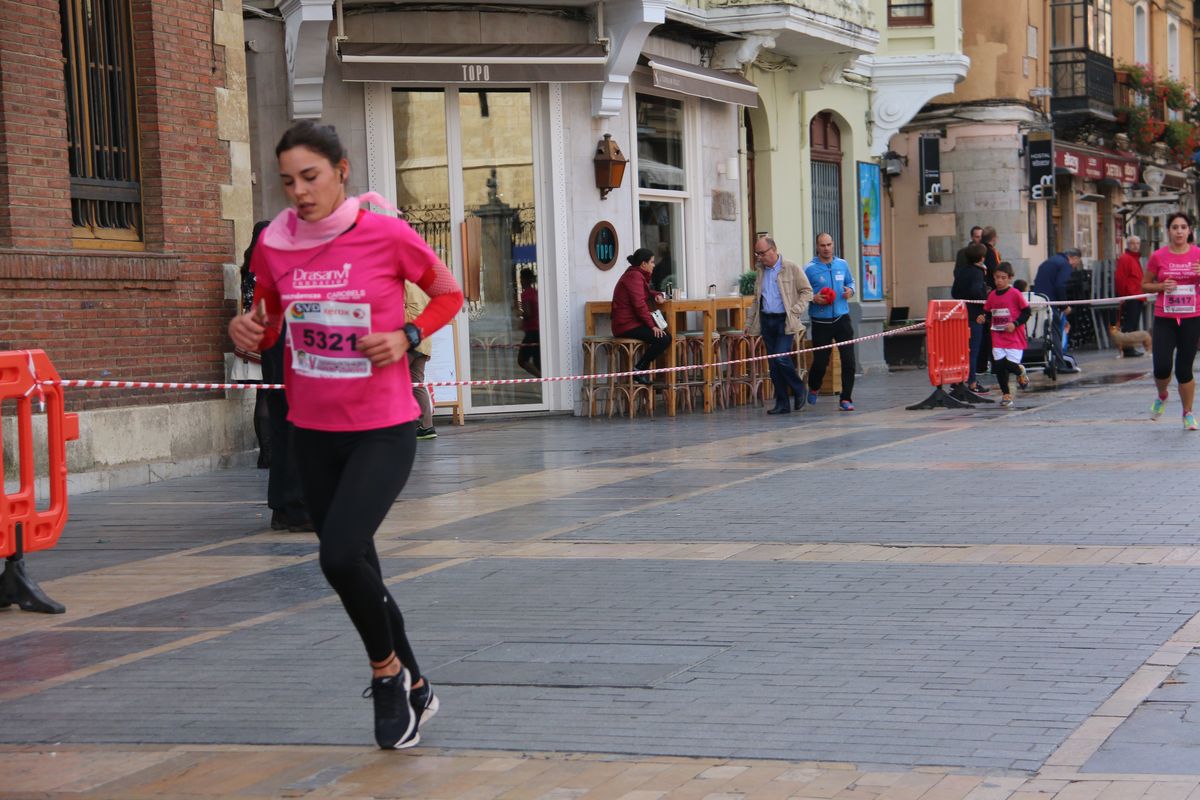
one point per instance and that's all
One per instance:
(337, 273)
(1174, 272)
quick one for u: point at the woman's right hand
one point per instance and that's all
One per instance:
(1169, 284)
(247, 330)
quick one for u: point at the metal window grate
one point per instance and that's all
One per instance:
(97, 42)
(827, 202)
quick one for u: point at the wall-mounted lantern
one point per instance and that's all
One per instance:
(610, 165)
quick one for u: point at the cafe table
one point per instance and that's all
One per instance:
(676, 312)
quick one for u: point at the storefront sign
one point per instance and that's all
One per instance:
(870, 234)
(1095, 167)
(931, 171)
(1040, 147)
(602, 245)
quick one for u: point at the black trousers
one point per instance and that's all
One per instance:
(826, 333)
(284, 493)
(1131, 315)
(351, 479)
(655, 345)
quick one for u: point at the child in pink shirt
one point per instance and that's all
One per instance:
(1006, 311)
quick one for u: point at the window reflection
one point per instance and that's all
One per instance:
(661, 223)
(660, 143)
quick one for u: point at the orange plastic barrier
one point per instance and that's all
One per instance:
(947, 342)
(24, 528)
(947, 353)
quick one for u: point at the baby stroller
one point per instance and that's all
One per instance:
(1039, 330)
(1042, 350)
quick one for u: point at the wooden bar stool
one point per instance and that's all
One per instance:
(748, 381)
(596, 358)
(624, 353)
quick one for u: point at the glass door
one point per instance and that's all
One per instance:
(465, 180)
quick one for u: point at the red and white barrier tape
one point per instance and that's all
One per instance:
(91, 384)
(98, 384)
(1093, 302)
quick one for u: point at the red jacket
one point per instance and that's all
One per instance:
(1127, 279)
(631, 301)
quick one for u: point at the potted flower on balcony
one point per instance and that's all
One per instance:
(1182, 139)
(1175, 93)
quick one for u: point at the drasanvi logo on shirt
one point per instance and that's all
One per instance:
(321, 278)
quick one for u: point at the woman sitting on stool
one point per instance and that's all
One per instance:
(631, 310)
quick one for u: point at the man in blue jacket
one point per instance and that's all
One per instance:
(1051, 280)
(830, 315)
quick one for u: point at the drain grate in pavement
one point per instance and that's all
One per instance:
(561, 664)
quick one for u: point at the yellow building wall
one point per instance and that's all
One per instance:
(1125, 47)
(1007, 44)
(783, 169)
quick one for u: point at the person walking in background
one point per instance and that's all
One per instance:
(529, 356)
(991, 259)
(970, 284)
(1174, 272)
(415, 302)
(833, 286)
(1006, 311)
(337, 272)
(632, 303)
(285, 496)
(1127, 280)
(781, 293)
(249, 360)
(960, 258)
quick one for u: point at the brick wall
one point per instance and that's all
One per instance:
(157, 314)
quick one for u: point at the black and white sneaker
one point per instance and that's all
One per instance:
(395, 722)
(424, 702)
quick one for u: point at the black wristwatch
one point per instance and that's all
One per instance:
(413, 333)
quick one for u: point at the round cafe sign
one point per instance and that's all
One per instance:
(603, 245)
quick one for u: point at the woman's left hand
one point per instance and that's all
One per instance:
(384, 349)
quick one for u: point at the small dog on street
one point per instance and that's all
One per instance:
(1123, 340)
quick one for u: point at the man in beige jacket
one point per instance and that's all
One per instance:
(415, 301)
(781, 294)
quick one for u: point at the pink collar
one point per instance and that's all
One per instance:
(288, 232)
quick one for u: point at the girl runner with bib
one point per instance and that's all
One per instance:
(1174, 272)
(337, 272)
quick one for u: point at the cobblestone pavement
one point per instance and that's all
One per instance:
(890, 605)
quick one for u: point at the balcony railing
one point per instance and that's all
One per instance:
(1083, 82)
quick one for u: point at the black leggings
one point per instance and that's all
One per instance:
(1003, 368)
(655, 345)
(825, 333)
(351, 479)
(1177, 336)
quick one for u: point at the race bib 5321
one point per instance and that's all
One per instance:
(323, 336)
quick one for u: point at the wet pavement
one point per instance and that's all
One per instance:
(979, 603)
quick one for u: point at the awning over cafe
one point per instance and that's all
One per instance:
(697, 81)
(472, 63)
(1096, 166)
